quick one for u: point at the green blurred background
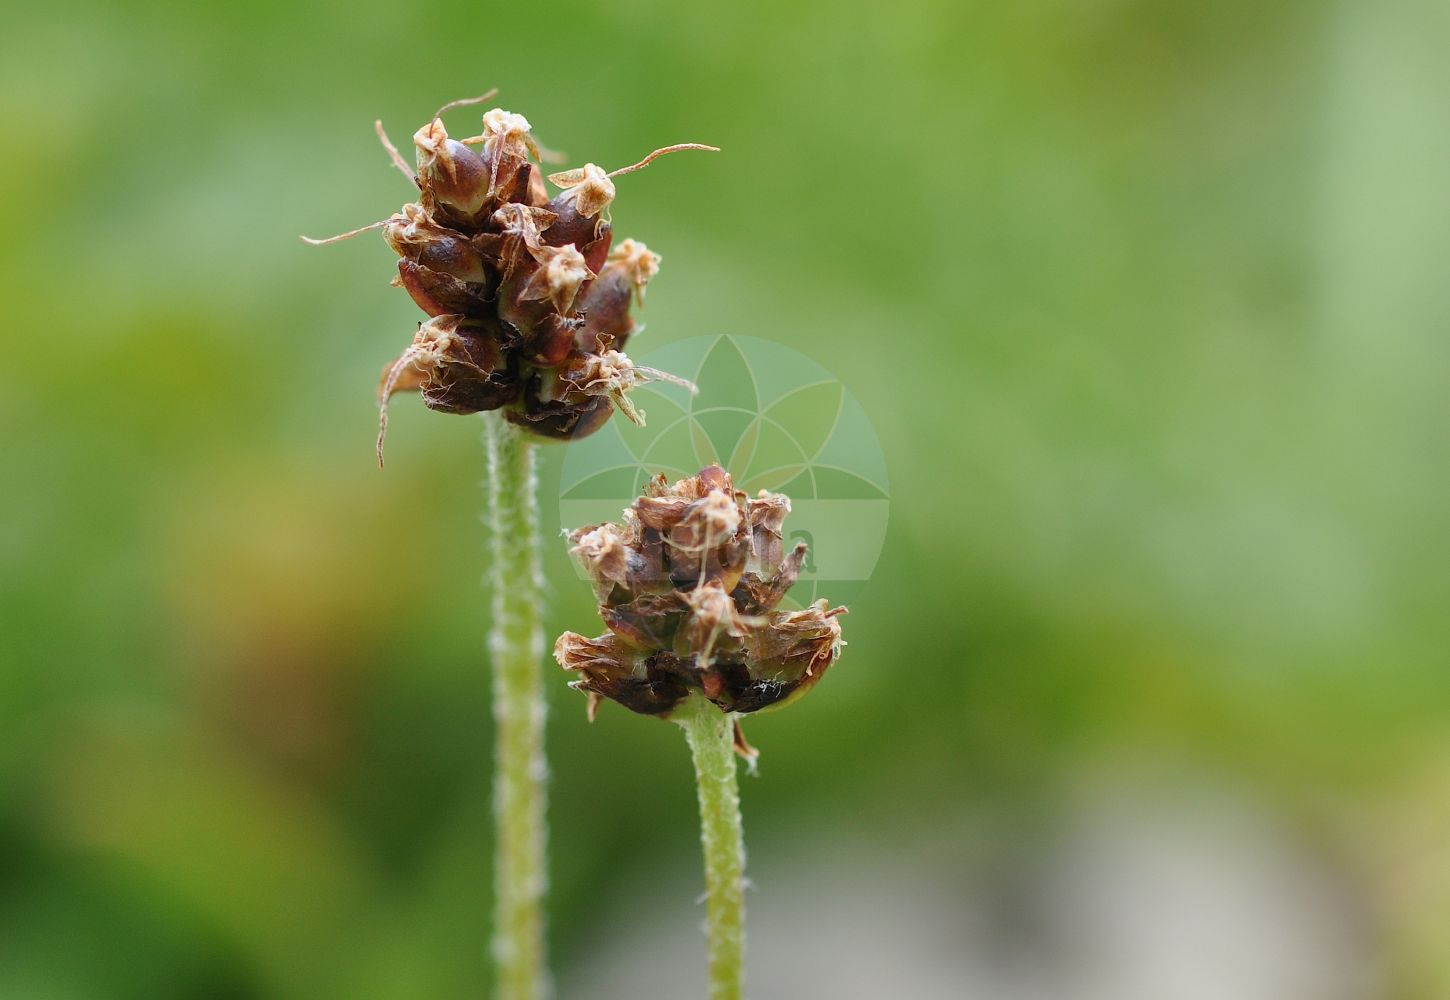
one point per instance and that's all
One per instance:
(1147, 697)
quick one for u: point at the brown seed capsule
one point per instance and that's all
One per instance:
(453, 178)
(688, 586)
(415, 236)
(440, 294)
(558, 420)
(648, 622)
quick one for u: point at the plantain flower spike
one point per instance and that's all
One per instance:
(689, 584)
(528, 300)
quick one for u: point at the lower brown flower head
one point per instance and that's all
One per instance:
(688, 585)
(528, 298)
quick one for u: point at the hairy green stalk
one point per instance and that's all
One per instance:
(516, 643)
(711, 735)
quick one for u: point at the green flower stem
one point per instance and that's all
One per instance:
(516, 643)
(711, 735)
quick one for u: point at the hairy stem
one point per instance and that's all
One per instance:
(516, 643)
(711, 735)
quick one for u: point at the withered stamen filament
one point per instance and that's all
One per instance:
(661, 152)
(464, 102)
(346, 236)
(393, 153)
(385, 392)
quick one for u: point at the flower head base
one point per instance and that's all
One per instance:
(529, 310)
(688, 585)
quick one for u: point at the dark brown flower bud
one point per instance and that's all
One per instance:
(688, 586)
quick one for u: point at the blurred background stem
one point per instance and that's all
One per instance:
(711, 735)
(516, 642)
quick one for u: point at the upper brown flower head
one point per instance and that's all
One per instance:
(527, 298)
(688, 585)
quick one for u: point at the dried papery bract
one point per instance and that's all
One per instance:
(535, 281)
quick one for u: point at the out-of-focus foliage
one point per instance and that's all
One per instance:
(1146, 300)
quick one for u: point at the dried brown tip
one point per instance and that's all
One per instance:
(393, 153)
(745, 751)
